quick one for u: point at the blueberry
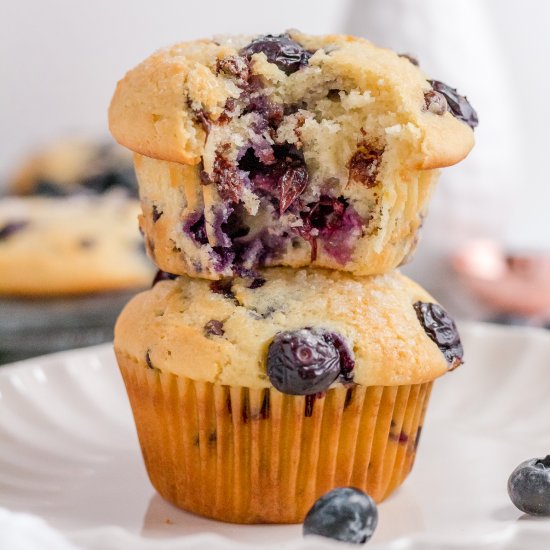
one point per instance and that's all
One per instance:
(12, 227)
(214, 328)
(286, 53)
(442, 330)
(163, 276)
(345, 514)
(305, 361)
(529, 486)
(458, 105)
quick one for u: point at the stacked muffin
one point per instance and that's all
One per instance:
(282, 180)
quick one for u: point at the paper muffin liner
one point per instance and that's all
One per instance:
(247, 455)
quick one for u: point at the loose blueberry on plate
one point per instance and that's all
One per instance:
(345, 514)
(307, 361)
(529, 486)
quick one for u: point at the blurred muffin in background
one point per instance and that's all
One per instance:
(71, 254)
(76, 166)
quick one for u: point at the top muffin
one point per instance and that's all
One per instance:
(285, 150)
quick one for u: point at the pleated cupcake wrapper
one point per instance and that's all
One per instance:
(259, 456)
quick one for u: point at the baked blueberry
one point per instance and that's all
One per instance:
(163, 276)
(305, 361)
(458, 104)
(286, 53)
(442, 330)
(214, 328)
(529, 486)
(345, 514)
(12, 227)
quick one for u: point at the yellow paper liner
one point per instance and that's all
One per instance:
(248, 455)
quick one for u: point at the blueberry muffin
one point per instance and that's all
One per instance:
(251, 399)
(75, 166)
(70, 245)
(291, 150)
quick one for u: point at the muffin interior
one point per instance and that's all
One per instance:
(297, 155)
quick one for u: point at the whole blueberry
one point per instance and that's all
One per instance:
(286, 53)
(458, 105)
(441, 329)
(529, 486)
(303, 362)
(346, 514)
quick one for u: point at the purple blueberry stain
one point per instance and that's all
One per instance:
(287, 54)
(194, 227)
(441, 329)
(335, 223)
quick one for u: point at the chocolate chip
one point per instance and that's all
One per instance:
(458, 105)
(435, 103)
(214, 328)
(11, 228)
(364, 165)
(442, 330)
(148, 360)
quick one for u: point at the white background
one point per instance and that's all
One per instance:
(60, 60)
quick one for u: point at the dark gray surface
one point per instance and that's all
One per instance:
(36, 326)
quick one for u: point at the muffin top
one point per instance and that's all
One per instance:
(71, 245)
(75, 166)
(301, 331)
(168, 105)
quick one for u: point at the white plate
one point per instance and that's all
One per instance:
(69, 453)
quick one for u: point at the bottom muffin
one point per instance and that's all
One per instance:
(250, 403)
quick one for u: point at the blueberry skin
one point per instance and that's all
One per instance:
(345, 514)
(286, 53)
(302, 362)
(529, 486)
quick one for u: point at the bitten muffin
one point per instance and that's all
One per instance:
(252, 400)
(70, 245)
(289, 150)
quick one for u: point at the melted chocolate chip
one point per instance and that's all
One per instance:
(364, 165)
(287, 54)
(442, 330)
(11, 228)
(214, 328)
(458, 105)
